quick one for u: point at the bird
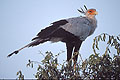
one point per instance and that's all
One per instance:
(71, 31)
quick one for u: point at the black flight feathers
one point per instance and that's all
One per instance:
(44, 33)
(15, 52)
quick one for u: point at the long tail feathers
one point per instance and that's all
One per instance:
(34, 43)
(15, 52)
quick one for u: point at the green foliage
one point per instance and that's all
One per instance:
(95, 67)
(20, 75)
(112, 41)
(102, 67)
(49, 68)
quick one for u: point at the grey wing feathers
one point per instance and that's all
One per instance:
(79, 26)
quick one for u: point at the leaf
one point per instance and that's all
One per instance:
(32, 65)
(104, 37)
(109, 50)
(115, 42)
(109, 41)
(84, 64)
(28, 65)
(112, 37)
(99, 37)
(29, 61)
(118, 51)
(39, 67)
(112, 44)
(94, 51)
(118, 38)
(94, 39)
(18, 73)
(97, 46)
(93, 45)
(55, 60)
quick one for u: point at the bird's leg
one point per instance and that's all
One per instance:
(69, 52)
(76, 52)
(75, 56)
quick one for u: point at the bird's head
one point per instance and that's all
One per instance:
(88, 12)
(91, 12)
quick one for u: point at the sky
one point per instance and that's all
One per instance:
(21, 20)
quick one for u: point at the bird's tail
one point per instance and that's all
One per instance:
(34, 43)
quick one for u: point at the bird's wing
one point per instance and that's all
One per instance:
(44, 33)
(79, 26)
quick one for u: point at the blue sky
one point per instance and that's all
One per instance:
(21, 20)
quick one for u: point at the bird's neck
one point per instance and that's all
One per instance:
(91, 16)
(92, 19)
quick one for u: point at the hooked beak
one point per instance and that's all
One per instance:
(96, 13)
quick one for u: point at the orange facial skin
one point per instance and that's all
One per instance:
(92, 12)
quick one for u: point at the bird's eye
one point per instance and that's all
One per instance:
(90, 11)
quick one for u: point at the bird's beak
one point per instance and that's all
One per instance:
(96, 13)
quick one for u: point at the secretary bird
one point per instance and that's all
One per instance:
(72, 31)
